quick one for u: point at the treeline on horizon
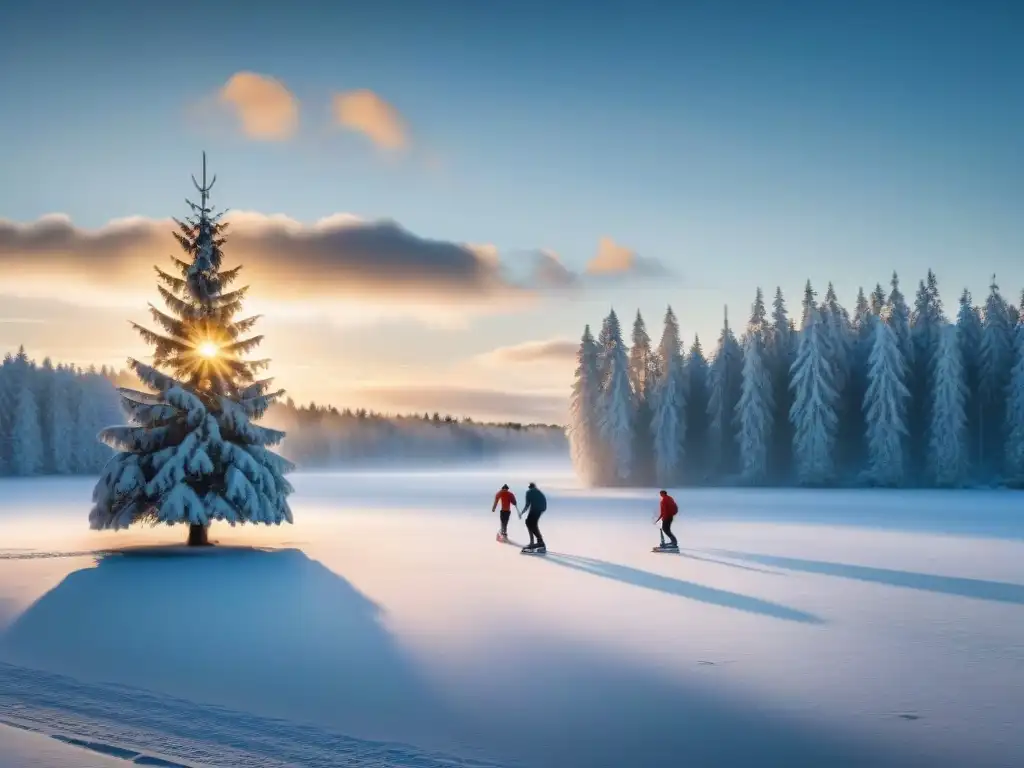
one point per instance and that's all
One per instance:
(50, 416)
(321, 436)
(889, 395)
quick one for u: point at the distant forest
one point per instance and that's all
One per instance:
(51, 414)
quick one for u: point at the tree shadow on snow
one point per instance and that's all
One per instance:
(265, 631)
(979, 589)
(687, 589)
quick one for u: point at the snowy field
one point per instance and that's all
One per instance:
(388, 628)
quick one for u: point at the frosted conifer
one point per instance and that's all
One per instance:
(814, 412)
(192, 453)
(616, 403)
(668, 426)
(583, 427)
(755, 408)
(885, 406)
(947, 443)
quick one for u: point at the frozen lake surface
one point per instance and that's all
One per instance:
(388, 628)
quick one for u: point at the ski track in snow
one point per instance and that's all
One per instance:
(146, 728)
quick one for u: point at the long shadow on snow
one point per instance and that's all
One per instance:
(687, 589)
(269, 632)
(979, 589)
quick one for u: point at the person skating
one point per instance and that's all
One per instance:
(536, 505)
(507, 500)
(667, 513)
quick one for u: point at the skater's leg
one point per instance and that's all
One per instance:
(505, 515)
(531, 527)
(536, 530)
(666, 528)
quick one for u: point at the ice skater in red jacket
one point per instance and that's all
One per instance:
(508, 500)
(669, 508)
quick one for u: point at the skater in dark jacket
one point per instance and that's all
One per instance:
(669, 509)
(536, 504)
(507, 500)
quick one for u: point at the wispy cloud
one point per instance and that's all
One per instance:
(615, 259)
(266, 109)
(365, 112)
(559, 351)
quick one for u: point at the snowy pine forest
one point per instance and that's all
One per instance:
(892, 394)
(50, 416)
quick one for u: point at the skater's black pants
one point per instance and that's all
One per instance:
(666, 528)
(532, 518)
(505, 515)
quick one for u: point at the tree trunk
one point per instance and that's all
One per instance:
(197, 536)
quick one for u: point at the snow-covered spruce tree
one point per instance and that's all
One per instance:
(583, 428)
(926, 324)
(668, 426)
(697, 376)
(643, 369)
(996, 361)
(725, 381)
(780, 351)
(1013, 468)
(899, 319)
(192, 453)
(862, 330)
(814, 417)
(755, 409)
(885, 407)
(947, 443)
(968, 324)
(615, 406)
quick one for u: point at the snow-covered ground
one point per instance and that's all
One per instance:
(388, 628)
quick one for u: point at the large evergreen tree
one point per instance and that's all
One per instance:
(643, 369)
(968, 325)
(814, 412)
(697, 375)
(947, 438)
(885, 407)
(755, 409)
(780, 351)
(995, 364)
(927, 322)
(615, 406)
(669, 407)
(583, 428)
(192, 453)
(726, 379)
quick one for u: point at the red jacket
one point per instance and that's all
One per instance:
(507, 499)
(669, 508)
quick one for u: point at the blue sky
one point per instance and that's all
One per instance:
(738, 143)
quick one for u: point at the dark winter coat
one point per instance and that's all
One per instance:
(535, 501)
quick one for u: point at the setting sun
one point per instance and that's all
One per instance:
(208, 349)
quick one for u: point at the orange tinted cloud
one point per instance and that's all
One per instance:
(544, 351)
(615, 259)
(266, 109)
(365, 112)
